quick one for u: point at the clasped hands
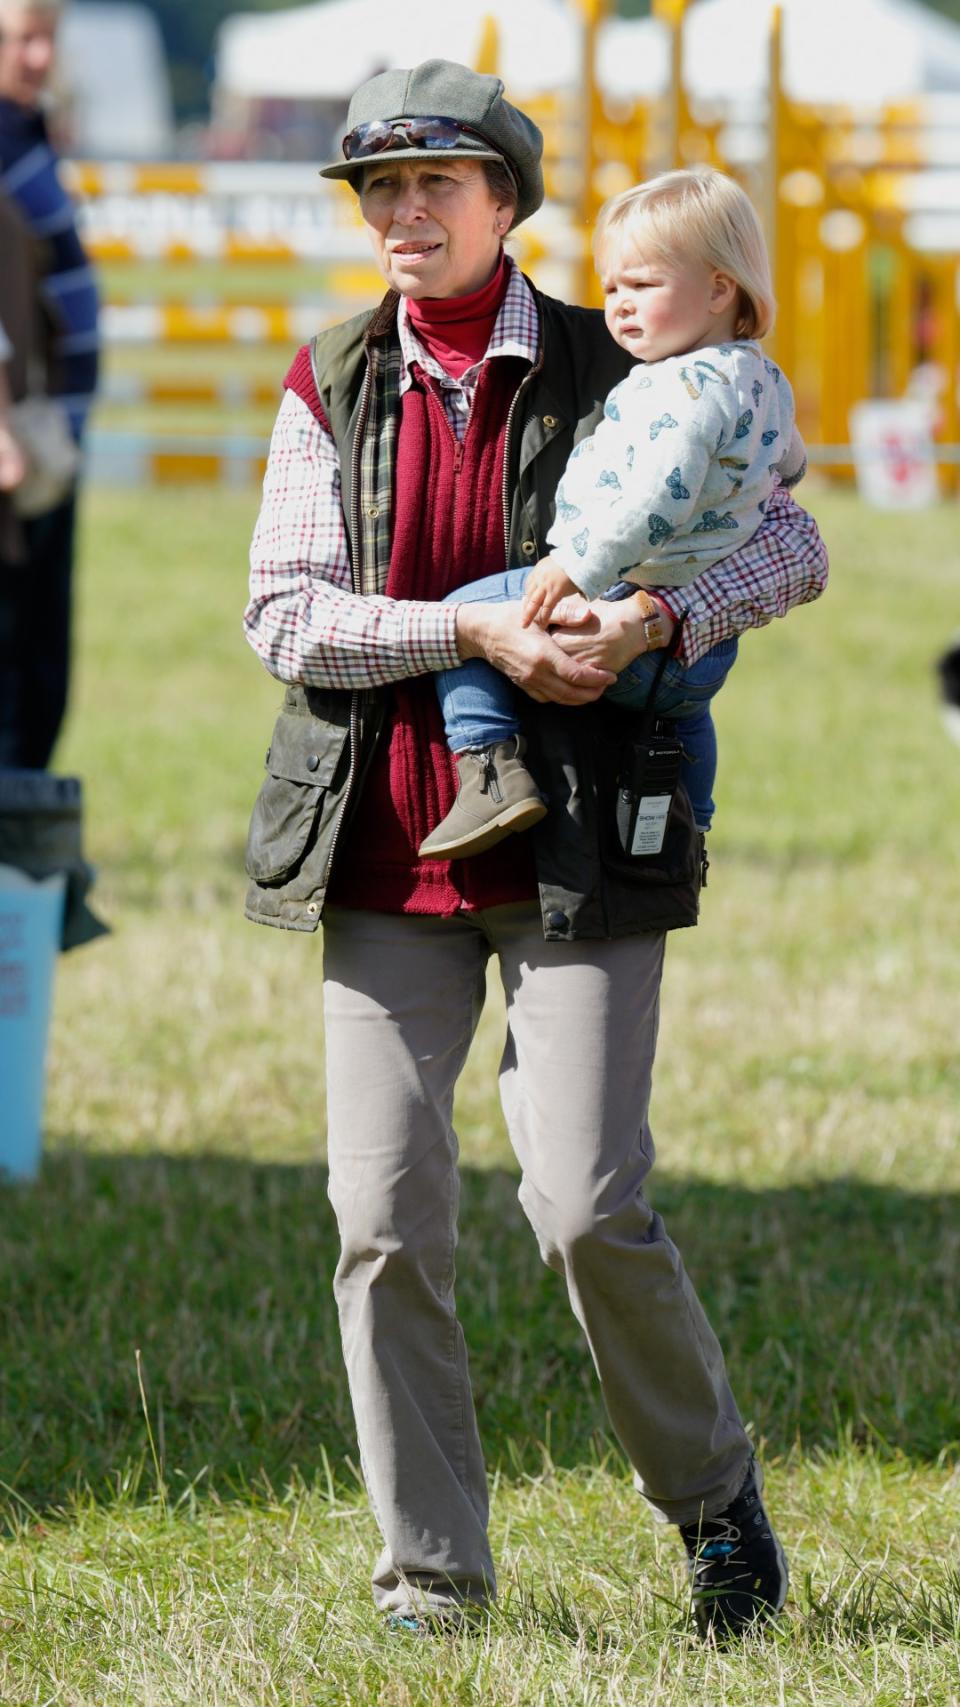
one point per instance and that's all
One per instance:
(571, 655)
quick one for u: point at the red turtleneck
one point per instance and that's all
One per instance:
(457, 329)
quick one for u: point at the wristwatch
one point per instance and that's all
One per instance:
(655, 628)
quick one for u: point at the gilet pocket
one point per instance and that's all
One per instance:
(303, 762)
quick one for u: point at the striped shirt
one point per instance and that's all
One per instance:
(29, 176)
(307, 625)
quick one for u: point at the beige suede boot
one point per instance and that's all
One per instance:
(496, 796)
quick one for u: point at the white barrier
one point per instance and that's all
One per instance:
(150, 459)
(185, 323)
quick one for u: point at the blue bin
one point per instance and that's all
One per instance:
(44, 880)
(31, 926)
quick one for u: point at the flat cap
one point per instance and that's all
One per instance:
(439, 88)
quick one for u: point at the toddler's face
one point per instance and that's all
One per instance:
(659, 308)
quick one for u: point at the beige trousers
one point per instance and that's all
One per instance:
(402, 1000)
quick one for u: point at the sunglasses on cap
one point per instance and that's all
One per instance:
(377, 136)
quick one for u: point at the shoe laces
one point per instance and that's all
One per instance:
(716, 1544)
(720, 1543)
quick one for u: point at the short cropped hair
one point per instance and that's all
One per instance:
(698, 213)
(501, 183)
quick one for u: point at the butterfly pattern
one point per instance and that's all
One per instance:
(660, 529)
(700, 375)
(679, 479)
(657, 427)
(712, 522)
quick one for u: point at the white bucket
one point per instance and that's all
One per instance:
(894, 454)
(31, 921)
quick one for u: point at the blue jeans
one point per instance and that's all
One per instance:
(479, 708)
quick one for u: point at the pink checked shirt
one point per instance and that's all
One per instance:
(307, 625)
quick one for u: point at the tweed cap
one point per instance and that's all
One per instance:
(439, 88)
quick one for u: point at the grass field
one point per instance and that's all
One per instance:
(183, 1518)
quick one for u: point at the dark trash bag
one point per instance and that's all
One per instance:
(41, 832)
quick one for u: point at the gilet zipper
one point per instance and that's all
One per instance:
(356, 572)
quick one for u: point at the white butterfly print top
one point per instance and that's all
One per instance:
(679, 471)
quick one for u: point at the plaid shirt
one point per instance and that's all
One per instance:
(307, 625)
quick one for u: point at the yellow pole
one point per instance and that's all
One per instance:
(488, 53)
(671, 13)
(775, 214)
(900, 315)
(946, 354)
(845, 377)
(592, 12)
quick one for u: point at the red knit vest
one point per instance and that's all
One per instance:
(448, 529)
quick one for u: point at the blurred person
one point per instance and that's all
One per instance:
(18, 332)
(35, 603)
(12, 470)
(417, 447)
(12, 464)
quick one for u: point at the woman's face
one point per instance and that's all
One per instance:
(435, 225)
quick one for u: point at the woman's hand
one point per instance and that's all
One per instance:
(13, 466)
(607, 634)
(533, 660)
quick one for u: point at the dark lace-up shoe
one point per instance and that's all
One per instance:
(440, 1621)
(738, 1573)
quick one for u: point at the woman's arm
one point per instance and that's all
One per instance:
(303, 618)
(306, 623)
(783, 565)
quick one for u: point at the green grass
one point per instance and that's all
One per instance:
(213, 1545)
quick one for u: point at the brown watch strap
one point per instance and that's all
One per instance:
(655, 629)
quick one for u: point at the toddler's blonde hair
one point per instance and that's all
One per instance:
(698, 213)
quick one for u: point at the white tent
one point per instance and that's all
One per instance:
(325, 50)
(851, 51)
(112, 69)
